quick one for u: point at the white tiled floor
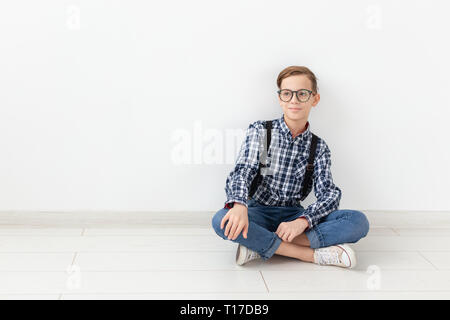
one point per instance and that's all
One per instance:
(178, 256)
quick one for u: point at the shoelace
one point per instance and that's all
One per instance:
(329, 257)
(252, 254)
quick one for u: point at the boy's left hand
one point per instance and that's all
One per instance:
(287, 231)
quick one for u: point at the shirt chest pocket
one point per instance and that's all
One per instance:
(300, 170)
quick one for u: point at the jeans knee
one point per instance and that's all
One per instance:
(361, 222)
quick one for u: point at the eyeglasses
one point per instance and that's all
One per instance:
(286, 95)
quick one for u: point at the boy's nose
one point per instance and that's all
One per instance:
(294, 98)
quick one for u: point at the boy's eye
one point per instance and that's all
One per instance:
(302, 93)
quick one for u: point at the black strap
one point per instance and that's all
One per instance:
(258, 178)
(307, 181)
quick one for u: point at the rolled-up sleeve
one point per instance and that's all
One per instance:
(246, 167)
(328, 195)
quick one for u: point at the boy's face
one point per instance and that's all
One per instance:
(294, 109)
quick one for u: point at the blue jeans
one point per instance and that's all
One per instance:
(340, 226)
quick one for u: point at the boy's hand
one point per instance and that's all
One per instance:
(237, 221)
(289, 230)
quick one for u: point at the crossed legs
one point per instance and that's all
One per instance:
(340, 226)
(299, 248)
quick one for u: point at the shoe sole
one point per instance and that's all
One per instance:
(350, 254)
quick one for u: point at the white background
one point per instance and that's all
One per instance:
(93, 93)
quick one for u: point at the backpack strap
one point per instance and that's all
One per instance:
(307, 181)
(258, 178)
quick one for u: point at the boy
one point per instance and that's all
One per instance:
(273, 221)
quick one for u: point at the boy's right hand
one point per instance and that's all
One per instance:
(237, 221)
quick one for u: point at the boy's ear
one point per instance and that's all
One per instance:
(316, 99)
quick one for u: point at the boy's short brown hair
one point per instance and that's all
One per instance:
(295, 70)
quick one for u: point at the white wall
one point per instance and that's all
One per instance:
(97, 98)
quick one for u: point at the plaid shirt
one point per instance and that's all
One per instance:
(287, 160)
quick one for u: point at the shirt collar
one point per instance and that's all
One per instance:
(304, 136)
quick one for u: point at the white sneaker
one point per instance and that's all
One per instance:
(244, 255)
(339, 255)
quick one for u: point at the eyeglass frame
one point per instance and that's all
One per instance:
(296, 93)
